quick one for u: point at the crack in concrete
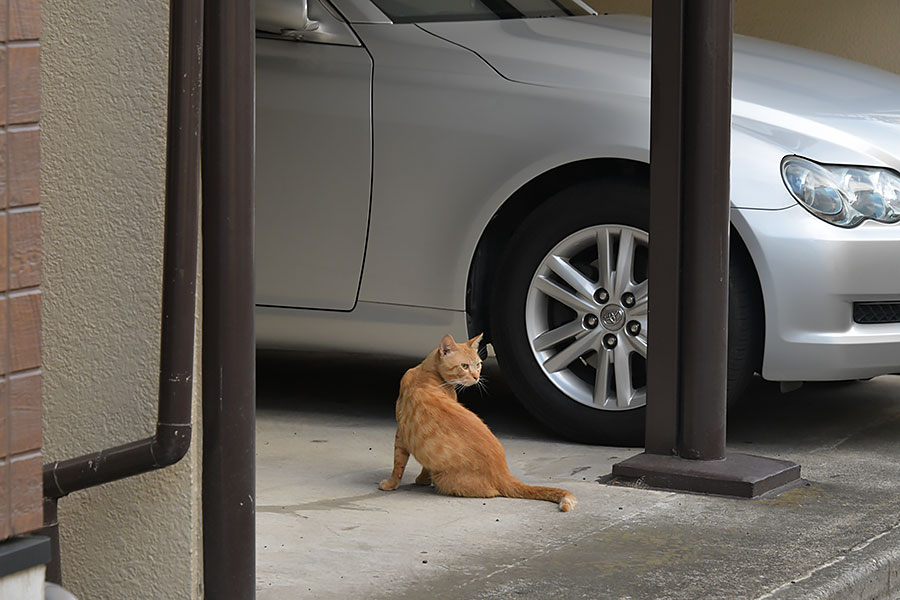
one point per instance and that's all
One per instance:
(829, 563)
(874, 424)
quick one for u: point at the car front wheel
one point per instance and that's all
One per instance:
(569, 313)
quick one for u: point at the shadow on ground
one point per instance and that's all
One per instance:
(818, 415)
(366, 386)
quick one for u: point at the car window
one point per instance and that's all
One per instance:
(417, 11)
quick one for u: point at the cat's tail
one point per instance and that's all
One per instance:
(516, 489)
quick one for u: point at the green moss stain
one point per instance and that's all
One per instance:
(799, 496)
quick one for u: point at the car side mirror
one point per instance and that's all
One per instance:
(288, 18)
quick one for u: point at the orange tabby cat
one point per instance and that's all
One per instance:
(458, 452)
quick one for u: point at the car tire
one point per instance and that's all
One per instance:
(746, 323)
(565, 400)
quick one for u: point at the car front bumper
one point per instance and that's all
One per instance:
(811, 275)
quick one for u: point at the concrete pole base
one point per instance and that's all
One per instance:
(738, 475)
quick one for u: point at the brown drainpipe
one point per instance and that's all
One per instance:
(173, 429)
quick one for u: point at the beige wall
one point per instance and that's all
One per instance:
(103, 135)
(864, 30)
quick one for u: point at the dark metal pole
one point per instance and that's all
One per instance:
(689, 221)
(663, 372)
(690, 156)
(706, 158)
(228, 301)
(173, 428)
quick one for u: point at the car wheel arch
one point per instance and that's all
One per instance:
(517, 207)
(520, 204)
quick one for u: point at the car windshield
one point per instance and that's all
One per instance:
(417, 11)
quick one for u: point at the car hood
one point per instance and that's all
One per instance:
(779, 91)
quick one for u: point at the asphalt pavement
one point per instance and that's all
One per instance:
(325, 428)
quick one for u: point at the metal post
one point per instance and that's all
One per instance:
(690, 150)
(228, 296)
(705, 161)
(663, 370)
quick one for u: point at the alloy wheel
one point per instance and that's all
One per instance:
(586, 316)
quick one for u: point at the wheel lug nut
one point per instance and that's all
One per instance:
(633, 327)
(610, 340)
(591, 321)
(628, 299)
(601, 296)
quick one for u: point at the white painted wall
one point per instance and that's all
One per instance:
(24, 585)
(104, 70)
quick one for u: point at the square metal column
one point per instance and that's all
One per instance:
(690, 150)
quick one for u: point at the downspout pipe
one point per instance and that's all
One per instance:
(172, 438)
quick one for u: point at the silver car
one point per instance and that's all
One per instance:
(482, 165)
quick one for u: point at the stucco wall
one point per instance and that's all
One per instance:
(103, 135)
(863, 30)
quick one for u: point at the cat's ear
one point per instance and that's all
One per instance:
(473, 343)
(448, 345)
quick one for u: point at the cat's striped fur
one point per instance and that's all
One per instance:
(457, 451)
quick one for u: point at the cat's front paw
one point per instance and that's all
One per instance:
(387, 485)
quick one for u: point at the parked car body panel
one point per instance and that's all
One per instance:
(465, 114)
(313, 172)
(811, 274)
(372, 328)
(440, 112)
(612, 53)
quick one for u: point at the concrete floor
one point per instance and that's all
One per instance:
(324, 441)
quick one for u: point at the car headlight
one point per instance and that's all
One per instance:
(843, 195)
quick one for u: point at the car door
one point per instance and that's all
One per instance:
(313, 163)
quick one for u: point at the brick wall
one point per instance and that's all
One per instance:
(20, 268)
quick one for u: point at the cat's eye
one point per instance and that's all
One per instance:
(465, 365)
